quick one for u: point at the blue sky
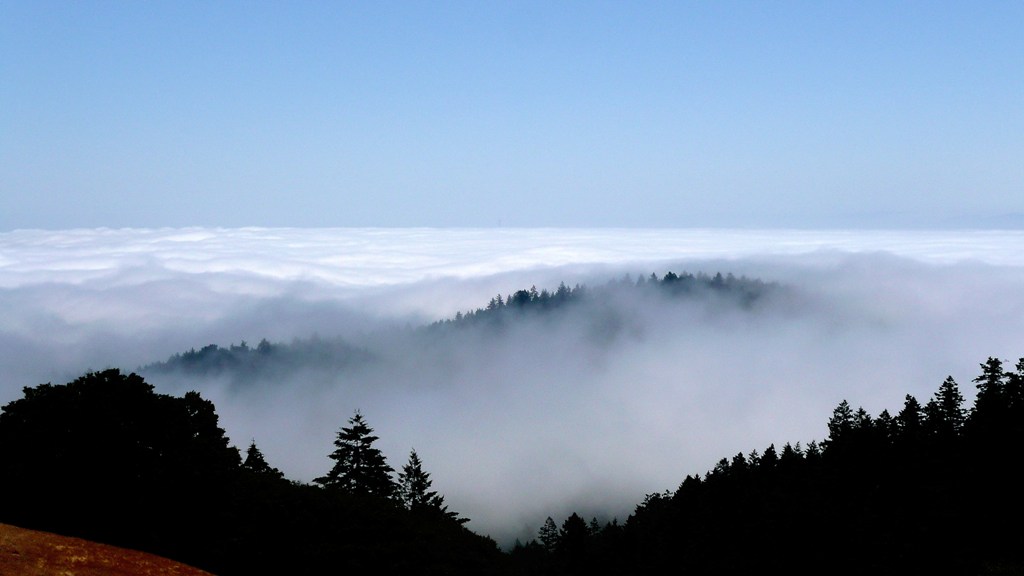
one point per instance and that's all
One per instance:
(589, 114)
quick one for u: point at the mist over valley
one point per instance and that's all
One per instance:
(584, 407)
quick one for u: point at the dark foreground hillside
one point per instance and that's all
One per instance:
(107, 459)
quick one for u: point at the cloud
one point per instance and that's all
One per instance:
(542, 418)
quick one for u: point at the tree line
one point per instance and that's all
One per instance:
(268, 361)
(933, 489)
(740, 290)
(106, 458)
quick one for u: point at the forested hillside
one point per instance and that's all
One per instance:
(265, 361)
(933, 489)
(106, 458)
(728, 289)
(269, 361)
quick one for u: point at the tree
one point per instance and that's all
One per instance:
(862, 421)
(257, 464)
(414, 486)
(359, 468)
(841, 423)
(908, 421)
(791, 454)
(944, 413)
(885, 427)
(813, 451)
(548, 534)
(106, 458)
(769, 459)
(572, 538)
(990, 403)
(1015, 387)
(414, 490)
(739, 463)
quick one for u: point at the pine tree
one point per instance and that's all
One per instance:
(739, 463)
(908, 421)
(256, 463)
(885, 427)
(990, 401)
(840, 424)
(944, 413)
(1015, 388)
(813, 451)
(862, 421)
(770, 458)
(572, 538)
(548, 534)
(414, 490)
(790, 454)
(359, 468)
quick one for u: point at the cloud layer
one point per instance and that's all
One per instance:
(540, 418)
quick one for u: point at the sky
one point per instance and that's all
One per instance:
(514, 114)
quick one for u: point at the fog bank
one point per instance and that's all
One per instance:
(542, 417)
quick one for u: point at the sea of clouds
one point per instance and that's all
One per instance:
(539, 419)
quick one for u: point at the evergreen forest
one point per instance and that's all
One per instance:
(271, 362)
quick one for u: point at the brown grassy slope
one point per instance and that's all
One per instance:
(31, 553)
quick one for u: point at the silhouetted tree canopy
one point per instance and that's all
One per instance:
(255, 462)
(933, 490)
(267, 361)
(741, 291)
(106, 458)
(359, 468)
(415, 494)
(243, 365)
(105, 452)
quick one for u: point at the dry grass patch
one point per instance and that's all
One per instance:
(32, 553)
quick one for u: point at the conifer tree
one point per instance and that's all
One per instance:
(256, 463)
(1015, 387)
(841, 423)
(908, 421)
(739, 463)
(813, 451)
(572, 538)
(990, 401)
(769, 459)
(862, 421)
(414, 490)
(944, 413)
(791, 454)
(359, 468)
(548, 534)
